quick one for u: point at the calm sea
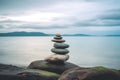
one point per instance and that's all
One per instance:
(84, 51)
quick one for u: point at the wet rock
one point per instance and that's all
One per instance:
(95, 73)
(33, 74)
(52, 67)
(9, 72)
(9, 69)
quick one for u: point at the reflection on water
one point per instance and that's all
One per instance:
(23, 50)
(84, 51)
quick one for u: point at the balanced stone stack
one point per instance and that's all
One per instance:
(57, 62)
(59, 50)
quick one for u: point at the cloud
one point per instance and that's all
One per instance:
(1, 27)
(98, 23)
(15, 24)
(109, 18)
(59, 15)
(38, 26)
(111, 15)
(10, 21)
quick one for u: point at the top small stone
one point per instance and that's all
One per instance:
(58, 35)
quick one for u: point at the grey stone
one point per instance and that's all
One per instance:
(9, 72)
(57, 58)
(59, 41)
(34, 74)
(57, 37)
(61, 45)
(60, 51)
(95, 73)
(56, 68)
(9, 69)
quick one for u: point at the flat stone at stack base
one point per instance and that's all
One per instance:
(60, 51)
(57, 58)
(56, 68)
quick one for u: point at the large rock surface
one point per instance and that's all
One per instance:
(9, 72)
(33, 74)
(57, 68)
(9, 69)
(95, 73)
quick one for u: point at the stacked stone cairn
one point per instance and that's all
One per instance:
(59, 50)
(57, 62)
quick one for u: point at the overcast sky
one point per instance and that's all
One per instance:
(61, 16)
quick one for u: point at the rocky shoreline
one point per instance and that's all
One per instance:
(10, 72)
(56, 67)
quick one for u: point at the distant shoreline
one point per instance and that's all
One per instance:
(39, 34)
(63, 35)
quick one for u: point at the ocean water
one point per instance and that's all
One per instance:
(84, 51)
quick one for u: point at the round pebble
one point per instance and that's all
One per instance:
(59, 41)
(60, 51)
(61, 45)
(57, 37)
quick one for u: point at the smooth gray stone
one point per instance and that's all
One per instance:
(61, 45)
(60, 51)
(57, 58)
(57, 37)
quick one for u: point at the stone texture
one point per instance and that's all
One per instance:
(57, 37)
(56, 68)
(95, 73)
(9, 72)
(61, 45)
(33, 74)
(55, 58)
(9, 69)
(59, 41)
(60, 51)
